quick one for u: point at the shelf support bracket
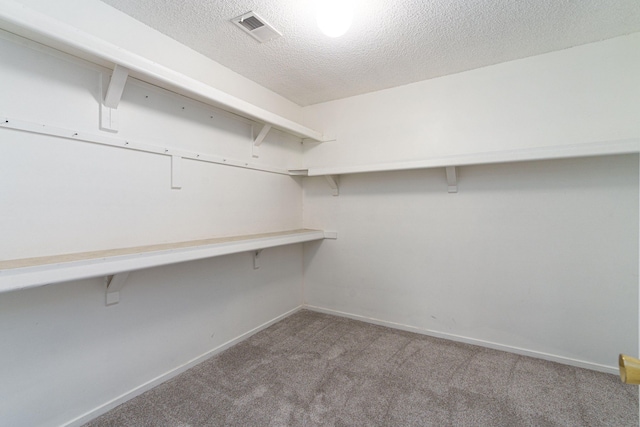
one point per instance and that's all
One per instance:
(116, 86)
(256, 259)
(109, 106)
(334, 183)
(452, 179)
(331, 235)
(114, 284)
(257, 142)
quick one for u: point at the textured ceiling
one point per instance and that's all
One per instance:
(391, 42)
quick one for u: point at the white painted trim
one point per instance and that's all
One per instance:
(113, 141)
(473, 341)
(102, 409)
(176, 172)
(600, 148)
(26, 22)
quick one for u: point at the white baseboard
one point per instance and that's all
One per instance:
(94, 413)
(467, 340)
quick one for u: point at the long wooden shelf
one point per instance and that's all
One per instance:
(26, 22)
(31, 272)
(627, 146)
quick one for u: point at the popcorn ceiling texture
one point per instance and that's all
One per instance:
(391, 42)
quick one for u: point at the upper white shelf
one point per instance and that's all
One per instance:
(627, 146)
(26, 22)
(31, 272)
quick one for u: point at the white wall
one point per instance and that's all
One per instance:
(91, 190)
(583, 94)
(105, 22)
(520, 250)
(538, 257)
(63, 352)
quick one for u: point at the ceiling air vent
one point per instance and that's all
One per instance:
(256, 27)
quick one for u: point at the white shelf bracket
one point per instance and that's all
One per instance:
(109, 107)
(334, 183)
(176, 172)
(116, 86)
(452, 179)
(331, 235)
(257, 142)
(256, 259)
(114, 284)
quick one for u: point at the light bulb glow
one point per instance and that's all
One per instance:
(334, 17)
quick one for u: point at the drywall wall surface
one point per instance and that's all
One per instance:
(537, 257)
(66, 196)
(108, 23)
(583, 94)
(64, 353)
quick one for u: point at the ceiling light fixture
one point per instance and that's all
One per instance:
(334, 16)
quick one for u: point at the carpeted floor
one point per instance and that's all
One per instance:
(314, 369)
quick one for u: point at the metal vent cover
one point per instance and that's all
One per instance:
(252, 24)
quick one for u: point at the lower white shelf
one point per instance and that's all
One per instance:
(31, 272)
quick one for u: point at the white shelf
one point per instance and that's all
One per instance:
(542, 153)
(31, 272)
(36, 26)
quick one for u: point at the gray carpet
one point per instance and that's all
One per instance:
(314, 369)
